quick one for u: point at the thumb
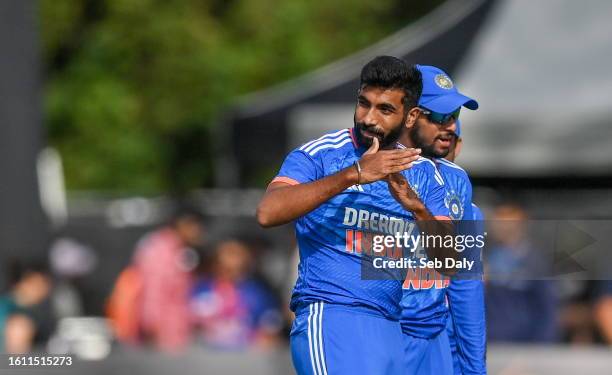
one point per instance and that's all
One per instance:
(373, 148)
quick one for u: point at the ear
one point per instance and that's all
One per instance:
(458, 147)
(413, 115)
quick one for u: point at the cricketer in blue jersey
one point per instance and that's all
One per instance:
(424, 303)
(466, 325)
(340, 189)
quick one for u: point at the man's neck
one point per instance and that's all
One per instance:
(405, 140)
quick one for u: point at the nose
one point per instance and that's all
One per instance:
(451, 126)
(370, 118)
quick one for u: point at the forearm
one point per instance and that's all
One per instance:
(283, 203)
(436, 229)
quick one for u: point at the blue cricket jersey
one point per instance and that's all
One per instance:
(333, 237)
(424, 304)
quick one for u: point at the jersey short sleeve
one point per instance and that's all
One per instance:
(434, 201)
(299, 168)
(477, 213)
(469, 206)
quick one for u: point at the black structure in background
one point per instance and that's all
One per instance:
(23, 226)
(259, 124)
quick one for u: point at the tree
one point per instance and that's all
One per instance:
(133, 86)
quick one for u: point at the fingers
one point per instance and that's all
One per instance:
(399, 184)
(377, 164)
(374, 147)
(399, 162)
(386, 166)
(398, 168)
(398, 154)
(398, 165)
(404, 160)
(392, 154)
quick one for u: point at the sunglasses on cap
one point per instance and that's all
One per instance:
(440, 118)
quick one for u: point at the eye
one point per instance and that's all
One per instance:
(363, 103)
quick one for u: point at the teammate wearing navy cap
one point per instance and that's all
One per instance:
(339, 189)
(424, 303)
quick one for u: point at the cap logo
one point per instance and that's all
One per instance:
(443, 81)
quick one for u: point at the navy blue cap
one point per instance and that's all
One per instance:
(439, 92)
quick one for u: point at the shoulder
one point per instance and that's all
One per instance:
(426, 163)
(451, 167)
(459, 175)
(428, 168)
(477, 212)
(331, 141)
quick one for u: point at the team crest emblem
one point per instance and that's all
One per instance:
(455, 209)
(444, 81)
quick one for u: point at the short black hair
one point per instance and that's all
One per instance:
(19, 269)
(389, 72)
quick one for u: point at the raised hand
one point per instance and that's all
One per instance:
(378, 164)
(401, 190)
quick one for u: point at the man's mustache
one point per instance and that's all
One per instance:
(371, 129)
(448, 136)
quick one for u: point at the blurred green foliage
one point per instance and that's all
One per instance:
(133, 87)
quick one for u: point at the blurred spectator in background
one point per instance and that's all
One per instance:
(602, 311)
(150, 298)
(70, 261)
(577, 317)
(25, 316)
(231, 309)
(519, 308)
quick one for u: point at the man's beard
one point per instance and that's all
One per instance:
(428, 150)
(385, 142)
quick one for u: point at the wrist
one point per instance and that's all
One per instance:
(351, 176)
(358, 168)
(420, 211)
